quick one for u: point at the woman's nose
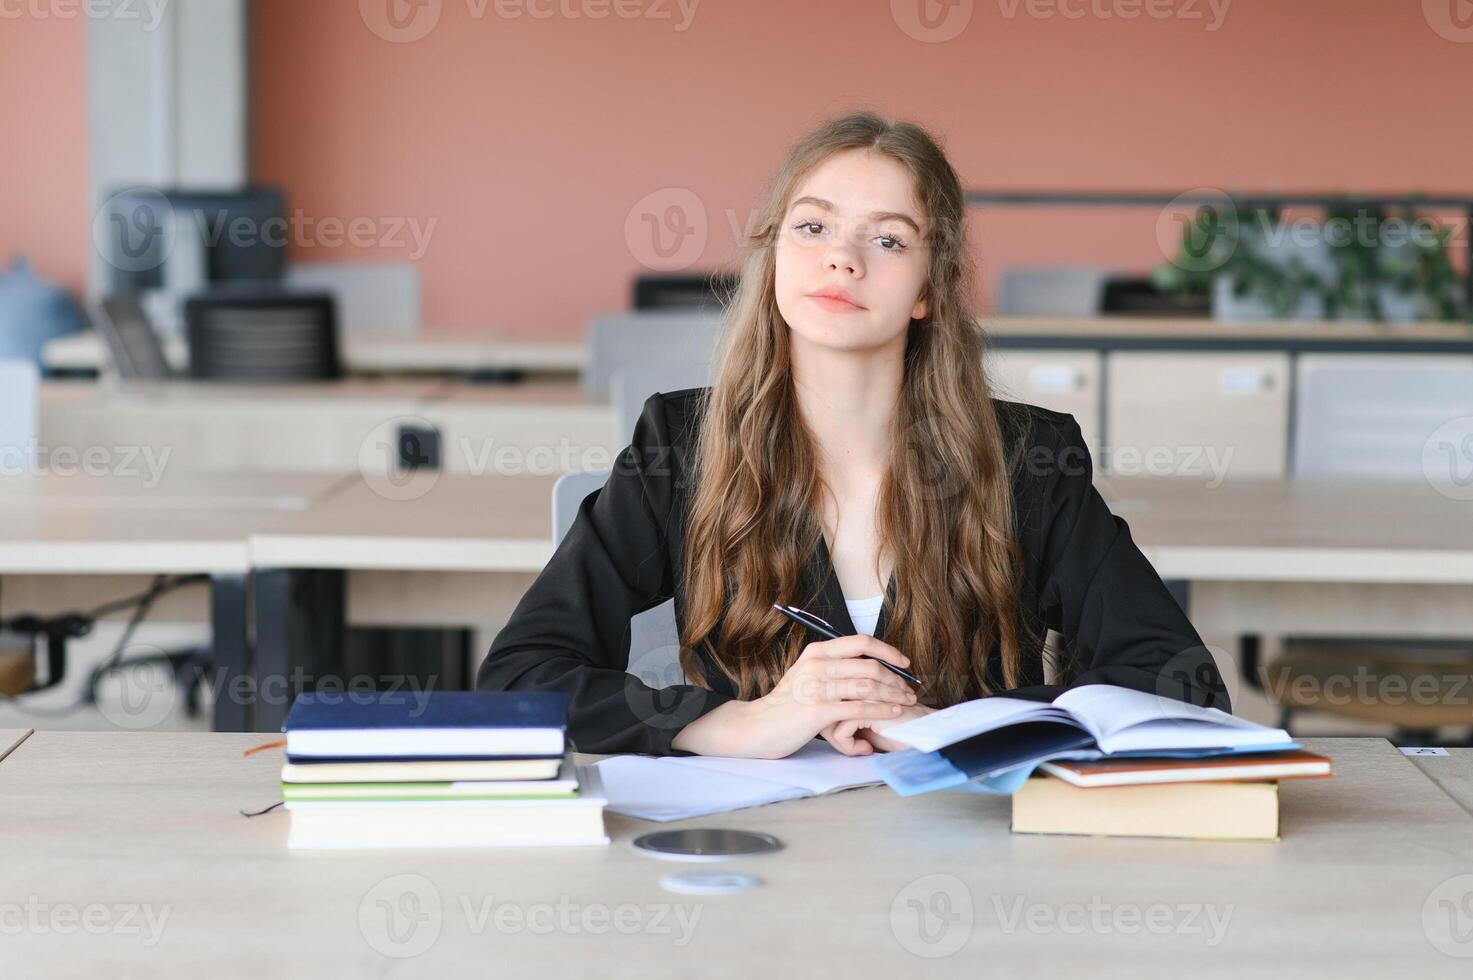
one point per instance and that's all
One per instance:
(843, 258)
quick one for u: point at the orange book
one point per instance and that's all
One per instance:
(1293, 764)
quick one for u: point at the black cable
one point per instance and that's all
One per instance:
(143, 602)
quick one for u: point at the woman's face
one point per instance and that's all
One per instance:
(853, 227)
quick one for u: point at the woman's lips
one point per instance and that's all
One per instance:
(834, 305)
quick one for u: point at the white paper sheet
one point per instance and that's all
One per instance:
(676, 787)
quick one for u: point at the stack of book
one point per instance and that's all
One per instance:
(435, 769)
(1106, 760)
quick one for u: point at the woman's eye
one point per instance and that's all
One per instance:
(896, 245)
(803, 226)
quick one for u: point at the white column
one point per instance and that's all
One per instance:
(168, 96)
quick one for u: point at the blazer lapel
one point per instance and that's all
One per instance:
(831, 599)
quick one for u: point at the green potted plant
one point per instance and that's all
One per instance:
(1357, 263)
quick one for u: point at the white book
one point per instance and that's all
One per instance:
(344, 743)
(1118, 718)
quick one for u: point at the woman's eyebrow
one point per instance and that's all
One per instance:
(819, 202)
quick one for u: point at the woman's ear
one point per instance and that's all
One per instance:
(922, 307)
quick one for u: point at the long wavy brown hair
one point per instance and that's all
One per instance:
(945, 508)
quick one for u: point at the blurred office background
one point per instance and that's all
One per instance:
(305, 308)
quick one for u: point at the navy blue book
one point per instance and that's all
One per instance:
(438, 724)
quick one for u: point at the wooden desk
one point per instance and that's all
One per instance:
(10, 740)
(1453, 772)
(146, 824)
(445, 353)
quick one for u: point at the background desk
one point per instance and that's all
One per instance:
(150, 820)
(74, 541)
(1336, 559)
(331, 427)
(443, 353)
(1325, 558)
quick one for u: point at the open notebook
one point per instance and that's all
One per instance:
(1117, 719)
(675, 787)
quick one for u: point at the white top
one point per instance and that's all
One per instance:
(865, 612)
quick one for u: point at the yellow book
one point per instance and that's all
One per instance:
(1210, 810)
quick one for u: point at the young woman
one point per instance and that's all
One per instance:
(848, 459)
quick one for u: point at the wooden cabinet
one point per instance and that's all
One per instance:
(1197, 413)
(1061, 380)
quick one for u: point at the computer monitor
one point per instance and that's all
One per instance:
(185, 240)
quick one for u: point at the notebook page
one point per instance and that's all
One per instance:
(654, 789)
(941, 728)
(1123, 720)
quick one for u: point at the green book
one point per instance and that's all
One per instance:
(381, 792)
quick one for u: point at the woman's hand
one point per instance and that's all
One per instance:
(830, 682)
(864, 737)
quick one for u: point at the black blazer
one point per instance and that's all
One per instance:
(1084, 578)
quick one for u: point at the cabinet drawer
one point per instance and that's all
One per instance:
(1197, 414)
(1063, 380)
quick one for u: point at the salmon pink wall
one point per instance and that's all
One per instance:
(522, 158)
(43, 161)
(531, 141)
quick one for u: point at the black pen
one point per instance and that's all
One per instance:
(822, 628)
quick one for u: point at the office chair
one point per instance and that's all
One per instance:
(709, 292)
(137, 353)
(623, 341)
(1050, 291)
(654, 636)
(1361, 419)
(379, 298)
(634, 385)
(254, 336)
(1126, 295)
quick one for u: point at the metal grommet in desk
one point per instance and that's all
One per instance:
(706, 844)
